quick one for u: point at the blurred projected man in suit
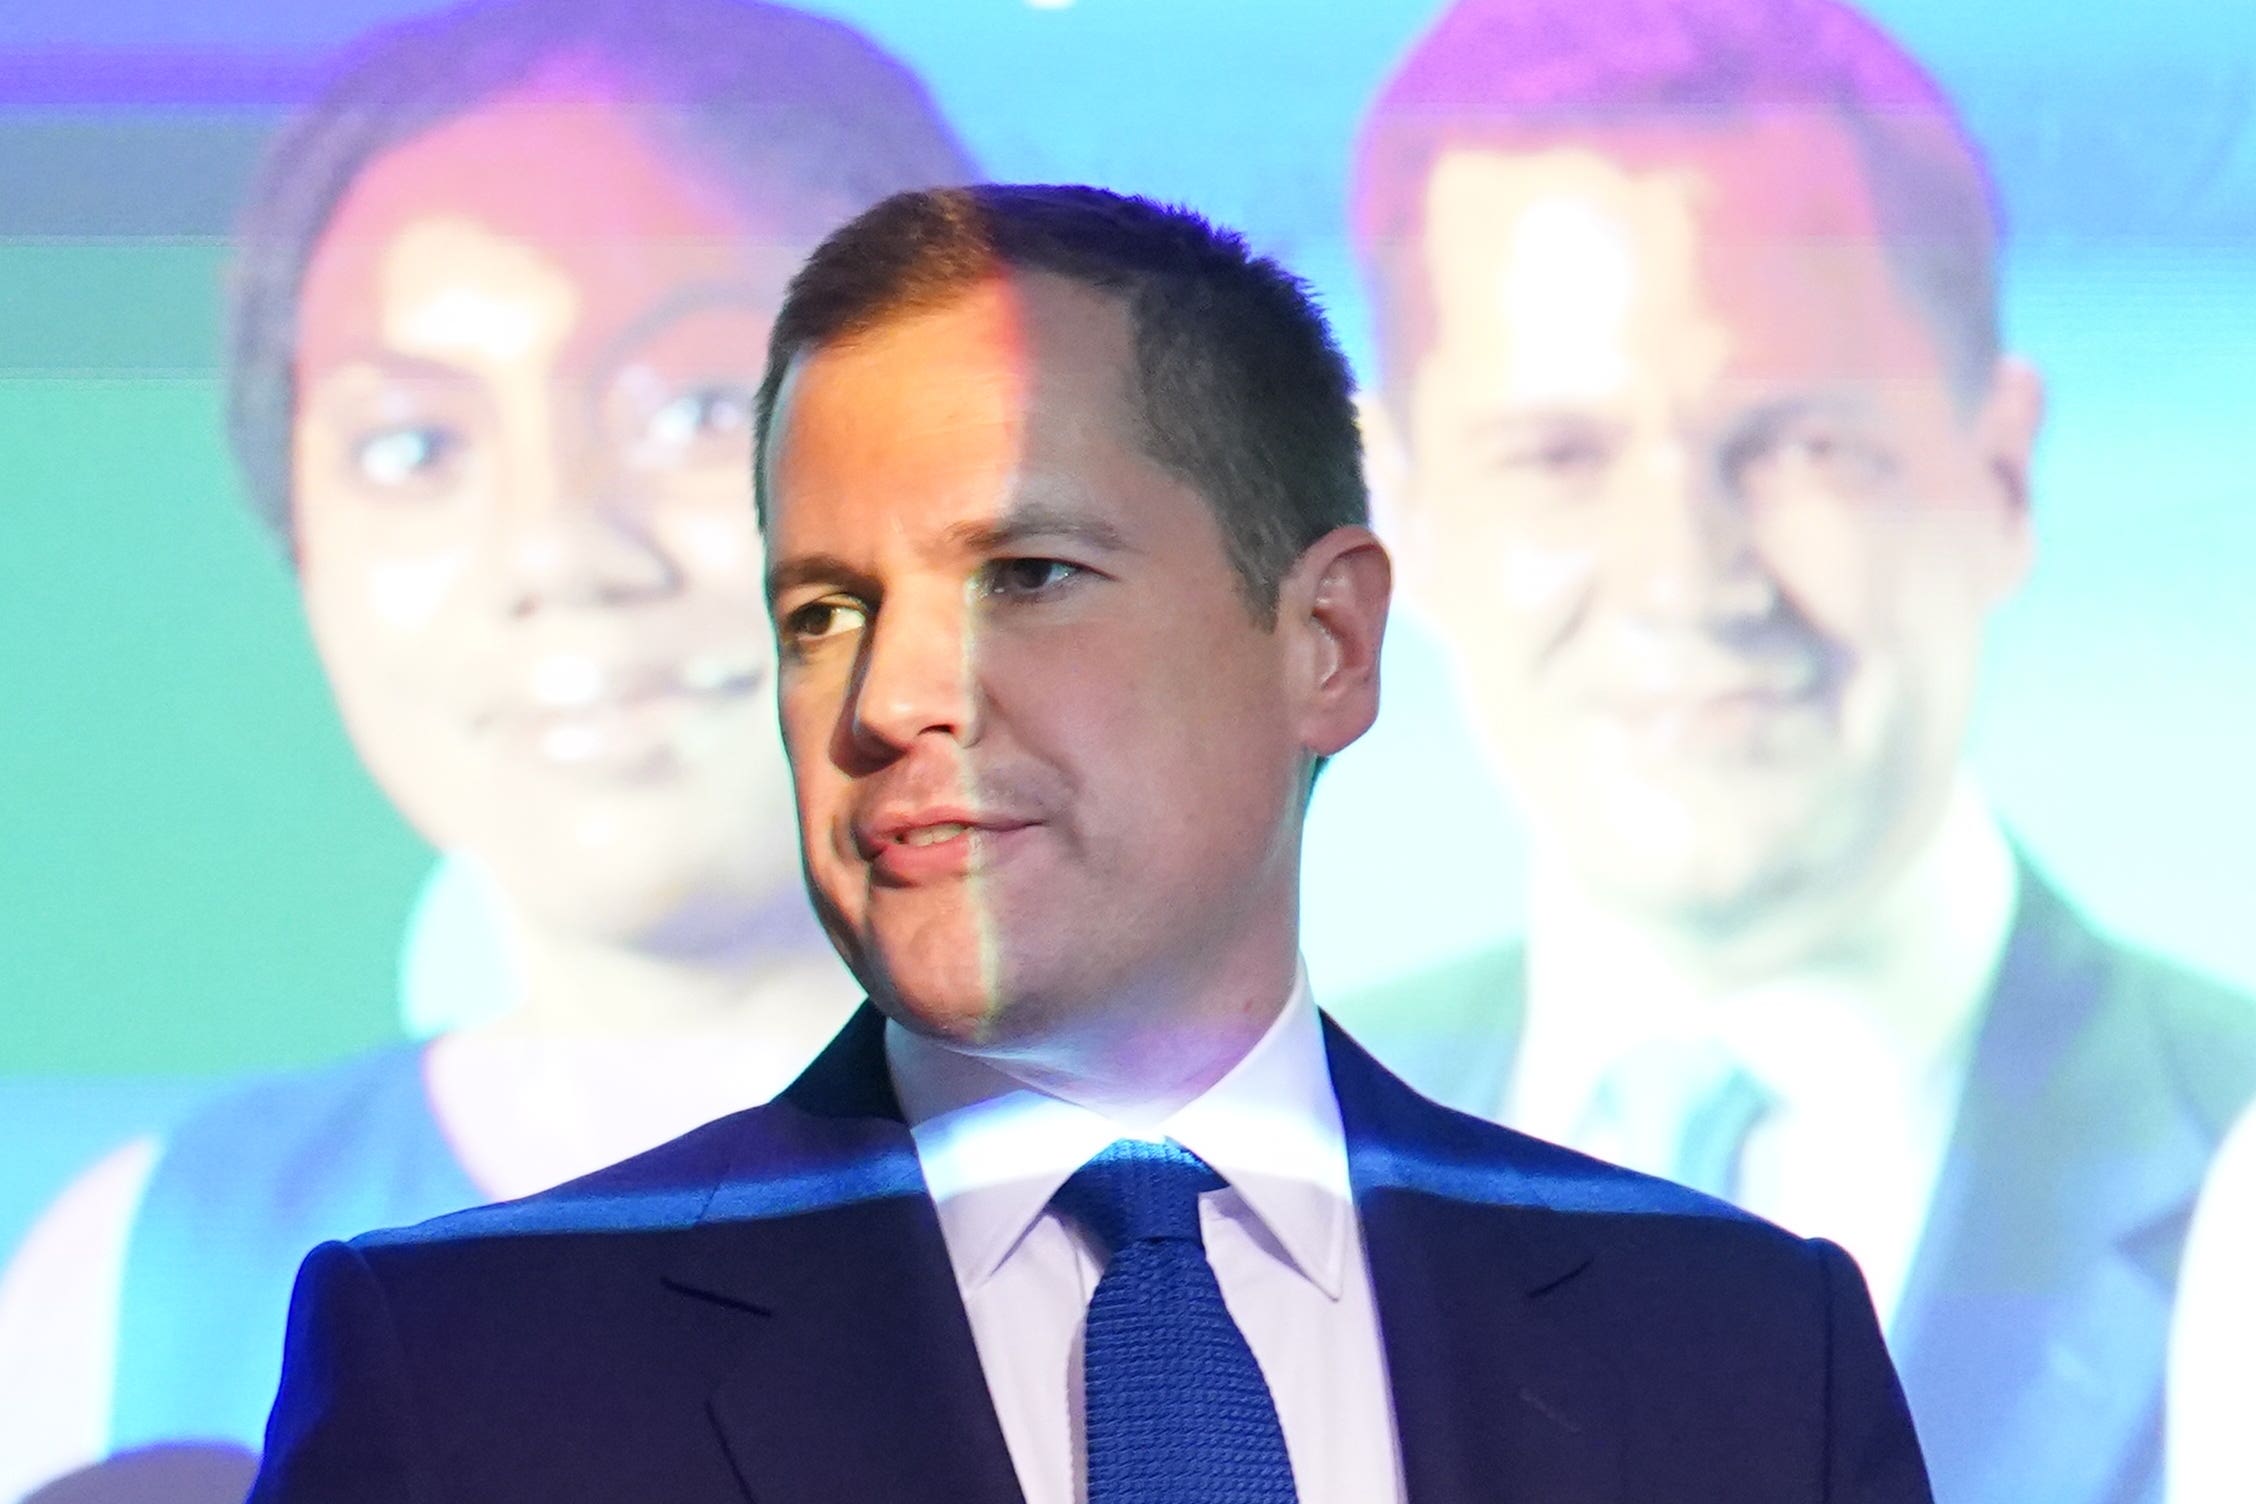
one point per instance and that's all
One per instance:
(1073, 593)
(1712, 472)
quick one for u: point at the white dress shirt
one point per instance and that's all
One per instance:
(1284, 1239)
(1863, 1050)
(2211, 1453)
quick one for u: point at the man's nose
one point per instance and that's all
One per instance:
(918, 674)
(1684, 548)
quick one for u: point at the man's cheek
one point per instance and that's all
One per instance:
(1833, 561)
(807, 719)
(1535, 576)
(1511, 609)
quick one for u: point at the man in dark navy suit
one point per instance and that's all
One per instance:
(1074, 593)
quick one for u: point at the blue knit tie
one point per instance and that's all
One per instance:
(1175, 1408)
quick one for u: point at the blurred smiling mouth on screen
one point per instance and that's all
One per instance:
(1704, 702)
(620, 720)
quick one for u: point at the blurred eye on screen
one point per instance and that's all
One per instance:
(1813, 459)
(703, 424)
(1550, 463)
(409, 459)
(1562, 457)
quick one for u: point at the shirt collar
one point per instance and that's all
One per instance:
(1893, 1009)
(994, 1150)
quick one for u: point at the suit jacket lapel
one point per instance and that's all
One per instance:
(859, 1378)
(2033, 1329)
(1493, 1400)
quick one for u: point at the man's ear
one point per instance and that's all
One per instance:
(1333, 607)
(2012, 416)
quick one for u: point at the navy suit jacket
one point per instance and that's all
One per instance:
(2033, 1328)
(764, 1310)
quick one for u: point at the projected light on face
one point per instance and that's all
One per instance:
(1042, 748)
(521, 488)
(1709, 531)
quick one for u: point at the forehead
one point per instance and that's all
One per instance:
(1750, 247)
(563, 197)
(1018, 381)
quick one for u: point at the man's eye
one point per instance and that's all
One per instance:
(706, 414)
(817, 620)
(1845, 456)
(1815, 448)
(1817, 459)
(1026, 577)
(398, 458)
(1558, 456)
(1565, 463)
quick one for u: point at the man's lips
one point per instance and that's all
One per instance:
(909, 846)
(1726, 722)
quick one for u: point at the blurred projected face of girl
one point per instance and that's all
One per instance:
(522, 492)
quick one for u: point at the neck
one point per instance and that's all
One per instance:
(1955, 875)
(1898, 985)
(1142, 1051)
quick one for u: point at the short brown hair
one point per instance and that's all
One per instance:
(1240, 387)
(1511, 71)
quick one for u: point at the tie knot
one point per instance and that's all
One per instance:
(1138, 1192)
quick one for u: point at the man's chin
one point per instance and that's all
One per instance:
(1716, 891)
(974, 1025)
(953, 1003)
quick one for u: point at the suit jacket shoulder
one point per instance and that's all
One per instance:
(1596, 1334)
(762, 1307)
(828, 1138)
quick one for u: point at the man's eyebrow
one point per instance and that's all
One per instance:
(1023, 524)
(1517, 419)
(1030, 520)
(819, 569)
(1788, 407)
